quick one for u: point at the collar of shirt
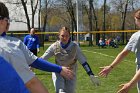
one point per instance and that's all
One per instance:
(65, 45)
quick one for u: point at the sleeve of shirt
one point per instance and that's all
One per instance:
(133, 43)
(83, 61)
(30, 57)
(80, 56)
(46, 66)
(25, 40)
(48, 53)
(38, 43)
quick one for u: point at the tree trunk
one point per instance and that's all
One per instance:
(104, 19)
(90, 22)
(123, 21)
(96, 25)
(26, 14)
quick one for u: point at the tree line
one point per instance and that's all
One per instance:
(97, 15)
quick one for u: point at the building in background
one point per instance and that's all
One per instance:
(18, 20)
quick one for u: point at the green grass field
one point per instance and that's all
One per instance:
(96, 58)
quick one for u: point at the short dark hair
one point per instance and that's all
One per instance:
(4, 11)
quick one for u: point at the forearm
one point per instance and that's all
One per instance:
(119, 58)
(135, 79)
(46, 66)
(87, 68)
(35, 86)
(37, 45)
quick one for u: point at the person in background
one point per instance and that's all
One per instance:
(10, 82)
(15, 52)
(108, 42)
(102, 43)
(133, 45)
(118, 38)
(67, 53)
(32, 42)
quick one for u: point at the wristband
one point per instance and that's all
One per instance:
(87, 68)
(111, 66)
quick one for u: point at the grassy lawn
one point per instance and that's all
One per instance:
(96, 58)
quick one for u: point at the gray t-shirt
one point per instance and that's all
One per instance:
(17, 54)
(134, 45)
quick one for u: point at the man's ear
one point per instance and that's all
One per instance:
(7, 27)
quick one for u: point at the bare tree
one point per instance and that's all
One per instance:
(39, 16)
(96, 23)
(133, 8)
(122, 7)
(90, 21)
(34, 4)
(45, 12)
(26, 13)
(21, 5)
(70, 6)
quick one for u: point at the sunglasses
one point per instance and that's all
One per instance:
(7, 19)
(1, 18)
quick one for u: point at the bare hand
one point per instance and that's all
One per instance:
(124, 88)
(67, 73)
(38, 50)
(105, 71)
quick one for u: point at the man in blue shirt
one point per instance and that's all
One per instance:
(32, 42)
(10, 82)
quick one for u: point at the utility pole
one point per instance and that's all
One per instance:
(79, 17)
(104, 19)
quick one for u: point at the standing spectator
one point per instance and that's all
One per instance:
(19, 56)
(133, 45)
(32, 42)
(67, 53)
(102, 43)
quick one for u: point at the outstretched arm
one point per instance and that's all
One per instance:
(36, 86)
(107, 69)
(82, 59)
(93, 78)
(50, 67)
(126, 87)
(87, 68)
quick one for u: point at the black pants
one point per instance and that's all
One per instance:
(34, 51)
